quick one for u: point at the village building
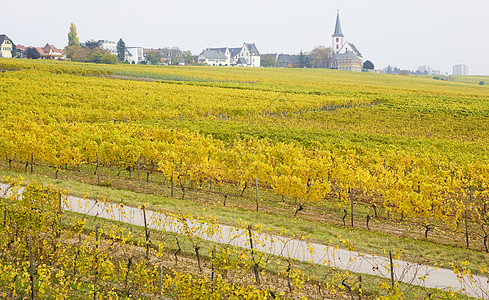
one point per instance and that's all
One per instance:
(134, 55)
(213, 58)
(21, 50)
(110, 46)
(47, 52)
(51, 52)
(246, 56)
(5, 46)
(346, 56)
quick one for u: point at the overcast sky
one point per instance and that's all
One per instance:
(404, 33)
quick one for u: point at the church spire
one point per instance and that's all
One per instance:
(337, 29)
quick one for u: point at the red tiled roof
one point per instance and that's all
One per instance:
(52, 47)
(40, 50)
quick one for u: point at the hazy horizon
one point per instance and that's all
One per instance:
(406, 34)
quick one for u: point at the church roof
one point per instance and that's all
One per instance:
(337, 29)
(347, 55)
(347, 46)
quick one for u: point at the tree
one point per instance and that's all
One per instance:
(109, 59)
(73, 42)
(73, 36)
(92, 44)
(368, 65)
(303, 61)
(121, 50)
(188, 58)
(14, 50)
(269, 60)
(32, 53)
(154, 57)
(95, 55)
(320, 57)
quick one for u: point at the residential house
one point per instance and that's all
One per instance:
(172, 56)
(5, 46)
(47, 52)
(247, 53)
(213, 58)
(108, 45)
(134, 54)
(21, 50)
(287, 60)
(51, 52)
(246, 56)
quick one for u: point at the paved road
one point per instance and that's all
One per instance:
(291, 248)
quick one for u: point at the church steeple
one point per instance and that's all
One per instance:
(338, 35)
(337, 29)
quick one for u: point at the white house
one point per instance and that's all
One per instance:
(214, 58)
(51, 52)
(249, 53)
(134, 54)
(246, 56)
(5, 46)
(109, 46)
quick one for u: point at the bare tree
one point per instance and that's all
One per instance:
(320, 57)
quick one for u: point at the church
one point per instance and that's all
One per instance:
(346, 56)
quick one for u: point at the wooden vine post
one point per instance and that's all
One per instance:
(466, 229)
(392, 270)
(98, 170)
(213, 256)
(146, 232)
(256, 184)
(138, 167)
(351, 200)
(31, 268)
(60, 211)
(160, 287)
(255, 264)
(289, 281)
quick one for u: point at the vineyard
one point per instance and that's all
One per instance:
(406, 156)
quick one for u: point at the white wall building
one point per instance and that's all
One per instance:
(134, 54)
(213, 58)
(109, 46)
(460, 70)
(246, 56)
(5, 46)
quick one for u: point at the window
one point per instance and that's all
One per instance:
(337, 40)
